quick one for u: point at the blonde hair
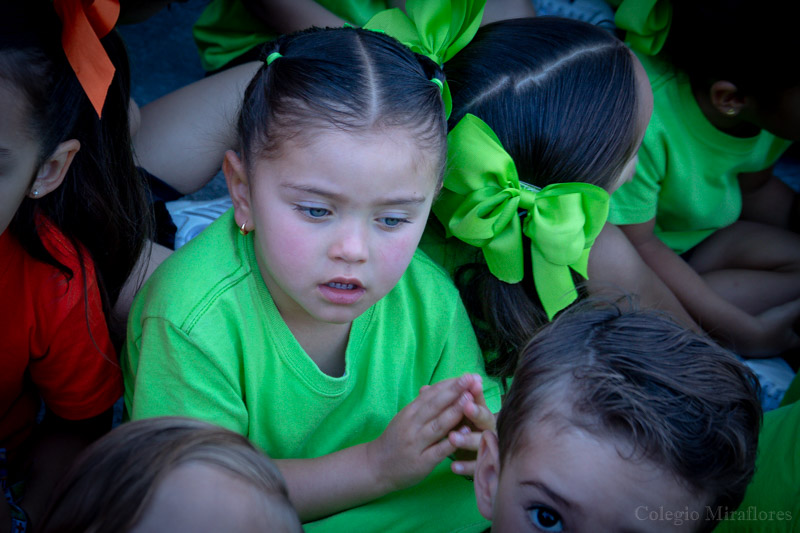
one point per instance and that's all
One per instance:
(111, 484)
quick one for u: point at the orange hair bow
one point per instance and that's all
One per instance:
(85, 22)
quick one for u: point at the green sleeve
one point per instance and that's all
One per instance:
(169, 373)
(636, 201)
(461, 354)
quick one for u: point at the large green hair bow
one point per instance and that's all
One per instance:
(484, 204)
(438, 29)
(647, 23)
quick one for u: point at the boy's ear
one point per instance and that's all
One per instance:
(726, 98)
(52, 172)
(239, 188)
(487, 473)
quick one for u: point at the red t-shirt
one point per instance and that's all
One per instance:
(52, 346)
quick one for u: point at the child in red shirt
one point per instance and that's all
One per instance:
(73, 221)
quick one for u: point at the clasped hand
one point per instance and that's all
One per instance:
(445, 417)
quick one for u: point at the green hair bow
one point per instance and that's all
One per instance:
(437, 29)
(481, 201)
(647, 23)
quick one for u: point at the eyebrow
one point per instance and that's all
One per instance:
(404, 200)
(552, 494)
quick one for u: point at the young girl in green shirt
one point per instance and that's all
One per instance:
(304, 318)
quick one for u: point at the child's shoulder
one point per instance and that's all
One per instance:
(425, 273)
(197, 274)
(660, 72)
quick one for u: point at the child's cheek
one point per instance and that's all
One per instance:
(396, 256)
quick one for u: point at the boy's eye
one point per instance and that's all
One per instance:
(317, 212)
(545, 518)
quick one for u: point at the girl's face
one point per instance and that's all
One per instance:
(336, 221)
(18, 153)
(563, 478)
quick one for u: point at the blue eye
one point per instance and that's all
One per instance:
(312, 212)
(392, 222)
(545, 518)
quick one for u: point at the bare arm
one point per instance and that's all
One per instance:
(286, 16)
(615, 266)
(765, 335)
(183, 135)
(507, 9)
(767, 199)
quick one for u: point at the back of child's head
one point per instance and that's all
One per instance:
(345, 79)
(752, 45)
(101, 202)
(559, 93)
(113, 484)
(561, 96)
(680, 401)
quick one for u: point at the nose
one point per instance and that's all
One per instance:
(350, 243)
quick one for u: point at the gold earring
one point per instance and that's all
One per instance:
(731, 112)
(242, 230)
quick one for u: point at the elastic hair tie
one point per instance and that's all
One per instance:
(438, 83)
(272, 57)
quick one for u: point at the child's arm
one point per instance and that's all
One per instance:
(754, 336)
(183, 135)
(407, 451)
(768, 200)
(615, 267)
(287, 16)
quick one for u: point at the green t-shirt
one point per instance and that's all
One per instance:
(687, 175)
(226, 29)
(206, 340)
(772, 501)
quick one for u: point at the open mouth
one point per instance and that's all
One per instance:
(344, 292)
(343, 286)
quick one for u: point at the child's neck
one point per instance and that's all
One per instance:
(324, 343)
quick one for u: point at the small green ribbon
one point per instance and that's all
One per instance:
(437, 29)
(647, 23)
(481, 201)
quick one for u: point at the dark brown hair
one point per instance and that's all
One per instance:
(561, 96)
(747, 44)
(681, 400)
(102, 203)
(342, 79)
(110, 485)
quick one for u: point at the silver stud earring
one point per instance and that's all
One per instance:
(35, 192)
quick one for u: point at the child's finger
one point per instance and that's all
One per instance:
(432, 401)
(476, 389)
(439, 426)
(465, 440)
(478, 414)
(463, 468)
(438, 452)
